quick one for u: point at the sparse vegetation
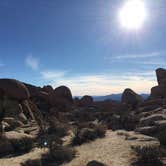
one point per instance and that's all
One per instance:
(88, 134)
(59, 154)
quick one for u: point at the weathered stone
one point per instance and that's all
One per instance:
(14, 89)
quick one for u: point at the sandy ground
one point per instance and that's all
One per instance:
(16, 161)
(112, 150)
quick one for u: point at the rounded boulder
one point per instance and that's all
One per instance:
(14, 89)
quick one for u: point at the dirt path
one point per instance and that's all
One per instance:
(112, 150)
(16, 161)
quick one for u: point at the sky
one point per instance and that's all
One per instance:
(81, 44)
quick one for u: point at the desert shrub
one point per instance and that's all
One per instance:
(88, 134)
(22, 145)
(35, 162)
(146, 153)
(58, 128)
(100, 130)
(59, 154)
(147, 156)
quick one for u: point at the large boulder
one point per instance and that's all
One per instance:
(86, 101)
(150, 120)
(12, 123)
(48, 89)
(161, 76)
(61, 96)
(158, 92)
(11, 107)
(5, 147)
(129, 97)
(33, 90)
(14, 89)
(20, 141)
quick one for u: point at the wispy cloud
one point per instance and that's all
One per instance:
(134, 56)
(32, 62)
(102, 84)
(52, 74)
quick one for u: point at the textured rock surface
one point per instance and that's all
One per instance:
(14, 89)
(86, 101)
(131, 98)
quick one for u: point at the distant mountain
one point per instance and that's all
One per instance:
(115, 97)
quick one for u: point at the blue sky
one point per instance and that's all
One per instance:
(80, 44)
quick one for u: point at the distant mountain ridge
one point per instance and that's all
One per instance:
(115, 97)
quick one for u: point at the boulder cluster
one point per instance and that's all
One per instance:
(31, 114)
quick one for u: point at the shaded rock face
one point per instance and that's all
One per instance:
(86, 101)
(48, 89)
(33, 90)
(95, 163)
(160, 90)
(161, 76)
(61, 97)
(131, 98)
(14, 89)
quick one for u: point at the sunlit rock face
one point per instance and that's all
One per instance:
(160, 90)
(129, 97)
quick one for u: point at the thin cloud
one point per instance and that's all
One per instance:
(32, 62)
(52, 74)
(102, 84)
(135, 56)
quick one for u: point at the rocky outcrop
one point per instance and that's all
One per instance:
(129, 97)
(86, 101)
(61, 97)
(161, 76)
(14, 89)
(33, 90)
(160, 90)
(48, 89)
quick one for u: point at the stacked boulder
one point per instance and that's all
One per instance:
(160, 90)
(15, 113)
(152, 112)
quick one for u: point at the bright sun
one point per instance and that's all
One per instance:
(133, 14)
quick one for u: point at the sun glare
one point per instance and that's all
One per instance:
(133, 14)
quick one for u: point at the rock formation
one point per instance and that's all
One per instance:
(14, 89)
(160, 90)
(86, 101)
(129, 97)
